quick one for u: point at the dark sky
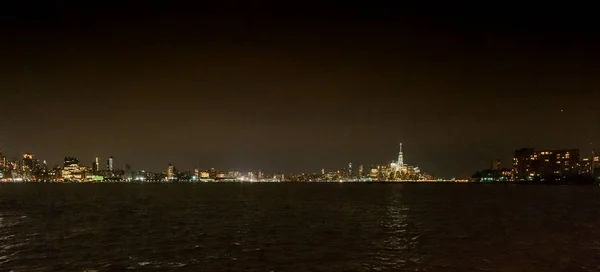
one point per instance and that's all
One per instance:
(296, 87)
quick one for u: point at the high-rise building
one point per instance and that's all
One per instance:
(28, 161)
(72, 171)
(129, 174)
(109, 163)
(596, 164)
(400, 162)
(530, 164)
(170, 172)
(349, 169)
(522, 163)
(95, 166)
(374, 172)
(260, 174)
(2, 161)
(70, 160)
(360, 171)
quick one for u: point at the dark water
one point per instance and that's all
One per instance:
(298, 227)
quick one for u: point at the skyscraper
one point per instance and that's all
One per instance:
(400, 162)
(28, 161)
(109, 163)
(170, 172)
(96, 166)
(2, 162)
(360, 171)
(349, 169)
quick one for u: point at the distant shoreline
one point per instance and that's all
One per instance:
(313, 182)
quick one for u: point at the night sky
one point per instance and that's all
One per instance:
(294, 88)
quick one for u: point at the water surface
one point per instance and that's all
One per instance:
(299, 227)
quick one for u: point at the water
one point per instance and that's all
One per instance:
(299, 227)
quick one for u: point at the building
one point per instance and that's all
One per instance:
(213, 173)
(28, 161)
(170, 172)
(495, 165)
(349, 170)
(400, 162)
(529, 164)
(129, 172)
(522, 163)
(72, 171)
(595, 167)
(109, 163)
(374, 173)
(95, 166)
(585, 167)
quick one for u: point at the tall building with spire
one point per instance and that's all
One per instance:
(400, 162)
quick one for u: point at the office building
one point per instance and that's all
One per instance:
(109, 163)
(95, 166)
(72, 171)
(28, 161)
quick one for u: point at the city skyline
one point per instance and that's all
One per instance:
(30, 158)
(295, 88)
(528, 165)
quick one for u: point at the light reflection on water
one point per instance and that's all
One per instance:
(298, 227)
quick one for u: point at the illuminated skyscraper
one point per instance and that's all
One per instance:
(96, 166)
(109, 164)
(2, 162)
(349, 169)
(28, 161)
(400, 162)
(170, 172)
(360, 171)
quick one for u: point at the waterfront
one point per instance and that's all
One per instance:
(299, 227)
